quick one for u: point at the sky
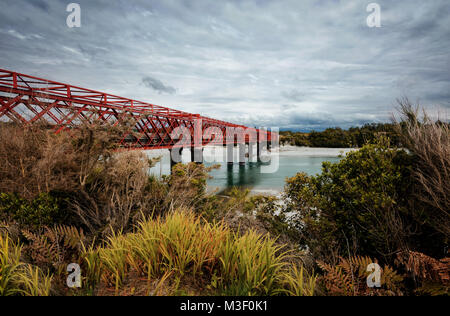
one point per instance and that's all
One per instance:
(290, 64)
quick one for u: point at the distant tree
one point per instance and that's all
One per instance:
(339, 138)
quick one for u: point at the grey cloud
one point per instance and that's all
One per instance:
(157, 85)
(294, 95)
(41, 4)
(313, 63)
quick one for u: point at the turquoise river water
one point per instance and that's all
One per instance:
(257, 177)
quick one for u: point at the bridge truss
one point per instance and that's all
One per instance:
(29, 100)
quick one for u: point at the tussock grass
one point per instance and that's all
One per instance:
(298, 282)
(182, 246)
(429, 142)
(250, 265)
(18, 278)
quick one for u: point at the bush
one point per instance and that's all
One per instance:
(243, 211)
(35, 160)
(331, 137)
(49, 178)
(356, 206)
(339, 138)
(115, 194)
(44, 210)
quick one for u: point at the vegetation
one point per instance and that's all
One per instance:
(43, 210)
(429, 143)
(381, 202)
(132, 234)
(356, 206)
(355, 137)
(348, 278)
(17, 277)
(169, 252)
(75, 198)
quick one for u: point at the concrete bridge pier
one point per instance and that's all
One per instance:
(242, 149)
(230, 182)
(258, 151)
(250, 153)
(173, 161)
(197, 154)
(259, 146)
(230, 154)
(254, 152)
(255, 148)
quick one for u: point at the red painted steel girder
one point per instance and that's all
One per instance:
(26, 100)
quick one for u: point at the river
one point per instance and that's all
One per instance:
(253, 176)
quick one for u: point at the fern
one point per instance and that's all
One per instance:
(349, 278)
(56, 246)
(432, 274)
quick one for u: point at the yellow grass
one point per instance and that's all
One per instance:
(182, 245)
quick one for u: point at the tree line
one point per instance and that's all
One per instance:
(337, 137)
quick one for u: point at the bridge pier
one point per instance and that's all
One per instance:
(197, 154)
(174, 160)
(241, 174)
(258, 146)
(242, 149)
(230, 182)
(230, 154)
(255, 149)
(258, 150)
(254, 154)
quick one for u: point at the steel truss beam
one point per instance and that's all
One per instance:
(27, 100)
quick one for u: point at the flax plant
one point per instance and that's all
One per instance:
(183, 245)
(18, 278)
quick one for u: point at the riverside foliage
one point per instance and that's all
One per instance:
(354, 137)
(73, 198)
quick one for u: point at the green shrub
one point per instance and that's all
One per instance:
(356, 206)
(44, 210)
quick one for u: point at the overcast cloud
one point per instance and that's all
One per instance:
(292, 64)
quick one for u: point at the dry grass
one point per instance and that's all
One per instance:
(21, 150)
(35, 160)
(429, 141)
(117, 193)
(106, 188)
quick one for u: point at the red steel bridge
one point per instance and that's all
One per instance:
(28, 100)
